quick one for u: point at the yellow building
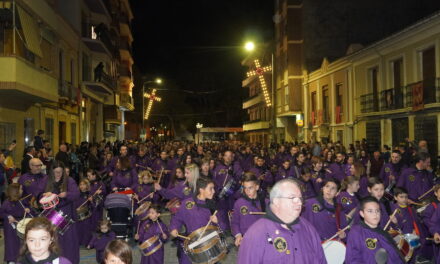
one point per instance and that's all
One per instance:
(389, 91)
(47, 61)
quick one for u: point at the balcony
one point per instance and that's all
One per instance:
(369, 103)
(255, 125)
(112, 115)
(101, 42)
(251, 101)
(392, 99)
(125, 49)
(22, 84)
(126, 102)
(67, 92)
(103, 88)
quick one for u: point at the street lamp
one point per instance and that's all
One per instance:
(198, 126)
(250, 47)
(157, 81)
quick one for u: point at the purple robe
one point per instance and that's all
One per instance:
(32, 184)
(97, 209)
(179, 190)
(12, 245)
(428, 213)
(283, 173)
(150, 229)
(264, 175)
(280, 157)
(363, 242)
(267, 242)
(61, 260)
(417, 182)
(348, 201)
(435, 228)
(124, 178)
(322, 216)
(99, 242)
(241, 218)
(391, 169)
(307, 188)
(158, 165)
(337, 171)
(363, 186)
(85, 225)
(141, 163)
(246, 161)
(317, 186)
(296, 170)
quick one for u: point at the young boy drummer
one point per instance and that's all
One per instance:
(367, 237)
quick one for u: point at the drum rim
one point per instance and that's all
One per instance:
(142, 210)
(19, 234)
(156, 248)
(221, 256)
(153, 239)
(208, 245)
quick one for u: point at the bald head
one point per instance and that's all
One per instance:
(35, 165)
(286, 200)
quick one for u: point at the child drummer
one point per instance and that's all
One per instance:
(367, 237)
(83, 205)
(153, 229)
(101, 239)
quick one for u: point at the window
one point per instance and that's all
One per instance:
(325, 104)
(28, 130)
(397, 73)
(49, 130)
(73, 133)
(94, 35)
(313, 108)
(372, 101)
(7, 134)
(339, 102)
(61, 65)
(428, 75)
(72, 72)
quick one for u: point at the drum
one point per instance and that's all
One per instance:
(229, 189)
(143, 208)
(21, 227)
(83, 212)
(59, 219)
(151, 245)
(50, 201)
(402, 244)
(173, 205)
(210, 248)
(334, 251)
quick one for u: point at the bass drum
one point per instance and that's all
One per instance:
(210, 248)
(334, 251)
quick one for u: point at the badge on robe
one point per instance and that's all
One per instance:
(280, 244)
(139, 189)
(387, 169)
(186, 191)
(412, 178)
(189, 205)
(345, 200)
(371, 243)
(27, 183)
(316, 208)
(222, 171)
(244, 210)
(315, 175)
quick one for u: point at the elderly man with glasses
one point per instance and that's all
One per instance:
(34, 181)
(282, 236)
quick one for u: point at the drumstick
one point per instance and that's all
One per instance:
(24, 208)
(184, 237)
(224, 182)
(389, 221)
(161, 230)
(160, 176)
(337, 233)
(146, 197)
(25, 197)
(137, 229)
(257, 213)
(423, 195)
(206, 226)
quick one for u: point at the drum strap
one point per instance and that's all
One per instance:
(416, 228)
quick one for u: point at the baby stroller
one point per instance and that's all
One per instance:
(118, 208)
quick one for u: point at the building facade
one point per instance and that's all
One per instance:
(48, 58)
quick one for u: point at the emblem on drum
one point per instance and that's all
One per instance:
(412, 178)
(189, 205)
(244, 210)
(186, 191)
(371, 243)
(387, 169)
(280, 244)
(316, 208)
(27, 183)
(345, 200)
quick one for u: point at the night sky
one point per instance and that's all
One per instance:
(196, 45)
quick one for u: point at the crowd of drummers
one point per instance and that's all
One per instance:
(362, 205)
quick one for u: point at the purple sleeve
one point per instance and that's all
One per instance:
(92, 241)
(170, 193)
(435, 222)
(235, 222)
(134, 176)
(353, 255)
(72, 190)
(177, 219)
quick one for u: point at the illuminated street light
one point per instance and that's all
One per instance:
(249, 46)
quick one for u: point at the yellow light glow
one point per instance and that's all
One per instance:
(249, 46)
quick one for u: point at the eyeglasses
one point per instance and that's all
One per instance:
(294, 199)
(37, 165)
(371, 211)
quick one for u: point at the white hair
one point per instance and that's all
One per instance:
(276, 190)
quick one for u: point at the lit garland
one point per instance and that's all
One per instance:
(260, 71)
(152, 97)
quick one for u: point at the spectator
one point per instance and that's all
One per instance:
(376, 164)
(38, 140)
(29, 154)
(63, 156)
(99, 69)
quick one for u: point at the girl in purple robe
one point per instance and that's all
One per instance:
(324, 213)
(100, 240)
(144, 192)
(124, 176)
(98, 191)
(358, 170)
(367, 237)
(12, 211)
(151, 228)
(41, 244)
(306, 183)
(118, 251)
(348, 197)
(318, 174)
(84, 225)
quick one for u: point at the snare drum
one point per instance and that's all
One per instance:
(334, 251)
(143, 208)
(229, 189)
(59, 219)
(402, 244)
(173, 205)
(50, 201)
(151, 245)
(21, 227)
(210, 248)
(83, 212)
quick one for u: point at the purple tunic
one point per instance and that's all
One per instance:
(12, 247)
(348, 201)
(150, 229)
(158, 165)
(363, 242)
(296, 170)
(307, 188)
(141, 163)
(85, 226)
(61, 260)
(283, 173)
(99, 241)
(417, 182)
(267, 241)
(363, 186)
(33, 184)
(322, 216)
(242, 219)
(315, 176)
(337, 171)
(391, 169)
(124, 178)
(280, 157)
(97, 210)
(264, 175)
(246, 161)
(179, 190)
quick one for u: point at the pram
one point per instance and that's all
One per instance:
(118, 207)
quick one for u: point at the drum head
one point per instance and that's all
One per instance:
(334, 251)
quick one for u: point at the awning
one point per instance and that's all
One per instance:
(31, 32)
